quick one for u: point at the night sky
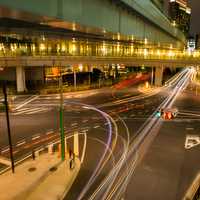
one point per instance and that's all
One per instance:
(195, 23)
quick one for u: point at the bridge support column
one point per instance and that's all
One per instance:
(20, 78)
(158, 76)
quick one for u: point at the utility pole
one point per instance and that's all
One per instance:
(62, 134)
(8, 126)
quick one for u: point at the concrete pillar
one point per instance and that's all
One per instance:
(158, 76)
(76, 144)
(20, 77)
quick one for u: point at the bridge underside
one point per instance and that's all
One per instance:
(14, 68)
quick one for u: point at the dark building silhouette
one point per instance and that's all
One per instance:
(180, 14)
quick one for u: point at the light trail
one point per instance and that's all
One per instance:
(107, 183)
(101, 162)
(141, 142)
(173, 81)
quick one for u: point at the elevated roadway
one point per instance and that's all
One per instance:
(38, 61)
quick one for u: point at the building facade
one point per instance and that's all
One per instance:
(180, 14)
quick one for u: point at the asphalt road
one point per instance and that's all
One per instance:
(36, 123)
(168, 169)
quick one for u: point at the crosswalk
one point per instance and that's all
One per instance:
(30, 110)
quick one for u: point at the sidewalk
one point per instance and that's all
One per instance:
(34, 180)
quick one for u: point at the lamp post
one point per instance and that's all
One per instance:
(62, 134)
(8, 126)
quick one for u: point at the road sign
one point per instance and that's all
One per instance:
(192, 141)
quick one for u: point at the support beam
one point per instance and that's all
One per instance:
(158, 76)
(20, 77)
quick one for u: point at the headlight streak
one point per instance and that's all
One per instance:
(134, 146)
(110, 149)
(151, 124)
(107, 182)
(178, 82)
(123, 180)
(104, 185)
(172, 82)
(102, 161)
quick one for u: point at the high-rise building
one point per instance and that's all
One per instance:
(180, 14)
(159, 4)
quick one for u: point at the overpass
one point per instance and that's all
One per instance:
(35, 34)
(39, 62)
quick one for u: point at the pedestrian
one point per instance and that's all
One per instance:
(71, 163)
(33, 154)
(70, 153)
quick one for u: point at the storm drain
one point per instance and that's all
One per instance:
(32, 169)
(53, 169)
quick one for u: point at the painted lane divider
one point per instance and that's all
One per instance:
(20, 143)
(34, 137)
(32, 98)
(74, 124)
(49, 132)
(5, 150)
(96, 126)
(189, 128)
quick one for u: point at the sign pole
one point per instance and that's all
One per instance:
(8, 126)
(62, 134)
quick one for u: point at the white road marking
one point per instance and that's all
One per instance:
(39, 110)
(192, 141)
(23, 109)
(189, 128)
(49, 132)
(32, 98)
(34, 137)
(74, 124)
(85, 130)
(96, 126)
(29, 111)
(20, 143)
(85, 120)
(5, 150)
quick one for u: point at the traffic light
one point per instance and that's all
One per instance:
(158, 114)
(166, 114)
